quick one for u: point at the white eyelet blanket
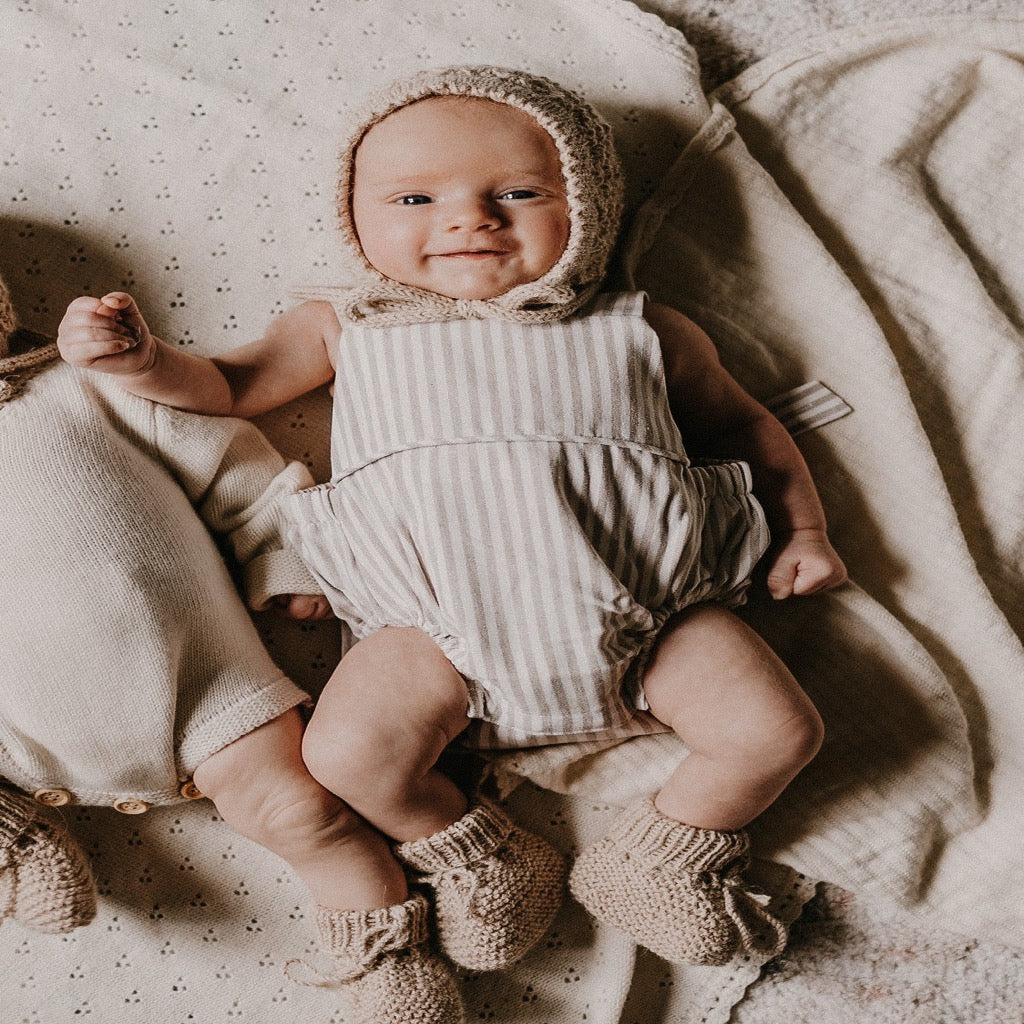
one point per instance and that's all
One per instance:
(863, 228)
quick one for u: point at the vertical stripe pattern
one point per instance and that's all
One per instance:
(521, 493)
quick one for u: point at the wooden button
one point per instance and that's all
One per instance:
(190, 791)
(131, 806)
(53, 797)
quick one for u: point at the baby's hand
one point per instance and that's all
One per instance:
(804, 562)
(106, 334)
(310, 607)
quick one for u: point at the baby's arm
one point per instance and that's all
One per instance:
(718, 419)
(294, 356)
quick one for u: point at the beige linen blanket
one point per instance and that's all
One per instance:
(861, 226)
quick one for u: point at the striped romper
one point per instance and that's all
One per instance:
(521, 493)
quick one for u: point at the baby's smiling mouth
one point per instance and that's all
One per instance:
(471, 254)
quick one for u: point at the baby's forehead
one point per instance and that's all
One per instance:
(449, 116)
(440, 132)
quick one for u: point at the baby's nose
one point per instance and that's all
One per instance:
(477, 213)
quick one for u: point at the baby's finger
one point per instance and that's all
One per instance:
(83, 304)
(780, 581)
(88, 353)
(817, 576)
(95, 327)
(124, 310)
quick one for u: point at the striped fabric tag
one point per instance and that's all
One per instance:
(808, 407)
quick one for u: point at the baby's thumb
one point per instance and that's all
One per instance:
(120, 306)
(781, 582)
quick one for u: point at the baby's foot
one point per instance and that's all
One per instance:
(496, 887)
(383, 966)
(676, 889)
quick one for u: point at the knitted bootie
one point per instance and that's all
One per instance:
(676, 889)
(45, 880)
(496, 887)
(383, 966)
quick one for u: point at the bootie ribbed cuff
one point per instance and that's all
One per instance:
(475, 836)
(17, 813)
(8, 890)
(662, 841)
(364, 934)
(383, 969)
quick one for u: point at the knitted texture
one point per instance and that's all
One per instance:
(16, 369)
(142, 659)
(594, 188)
(45, 880)
(676, 889)
(8, 321)
(383, 966)
(496, 887)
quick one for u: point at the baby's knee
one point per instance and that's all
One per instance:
(356, 759)
(385, 717)
(792, 740)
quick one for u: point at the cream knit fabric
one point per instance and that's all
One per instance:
(594, 187)
(128, 655)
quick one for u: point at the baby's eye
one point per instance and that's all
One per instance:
(416, 200)
(519, 193)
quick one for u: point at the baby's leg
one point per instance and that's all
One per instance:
(262, 789)
(668, 873)
(391, 707)
(384, 718)
(747, 723)
(371, 927)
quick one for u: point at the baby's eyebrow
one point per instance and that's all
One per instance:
(434, 177)
(411, 179)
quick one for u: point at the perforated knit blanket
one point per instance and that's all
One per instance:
(862, 227)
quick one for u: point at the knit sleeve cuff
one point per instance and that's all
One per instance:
(274, 573)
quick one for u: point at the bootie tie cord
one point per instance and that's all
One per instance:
(364, 938)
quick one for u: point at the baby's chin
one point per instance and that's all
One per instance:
(478, 287)
(469, 294)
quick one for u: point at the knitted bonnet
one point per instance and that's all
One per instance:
(594, 187)
(16, 368)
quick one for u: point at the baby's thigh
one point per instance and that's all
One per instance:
(392, 705)
(714, 681)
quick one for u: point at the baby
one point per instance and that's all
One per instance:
(514, 528)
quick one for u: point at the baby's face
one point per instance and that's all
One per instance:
(463, 197)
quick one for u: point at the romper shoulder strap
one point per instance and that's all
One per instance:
(627, 304)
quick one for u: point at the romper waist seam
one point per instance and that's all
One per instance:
(560, 439)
